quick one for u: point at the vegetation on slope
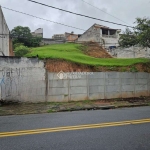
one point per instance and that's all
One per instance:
(74, 53)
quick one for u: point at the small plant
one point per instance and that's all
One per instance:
(96, 68)
(113, 68)
(51, 111)
(133, 69)
(123, 69)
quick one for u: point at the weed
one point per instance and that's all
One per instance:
(51, 111)
(113, 68)
(123, 69)
(133, 69)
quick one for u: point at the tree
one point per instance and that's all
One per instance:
(139, 36)
(143, 31)
(23, 35)
(127, 39)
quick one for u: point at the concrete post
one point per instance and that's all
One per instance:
(120, 83)
(69, 95)
(87, 81)
(104, 85)
(47, 85)
(108, 33)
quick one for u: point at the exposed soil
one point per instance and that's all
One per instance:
(95, 50)
(57, 65)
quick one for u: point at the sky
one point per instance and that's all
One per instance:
(125, 10)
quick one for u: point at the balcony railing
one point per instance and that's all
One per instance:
(109, 36)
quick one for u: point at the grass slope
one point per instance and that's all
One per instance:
(72, 52)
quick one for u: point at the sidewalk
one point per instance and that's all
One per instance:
(30, 108)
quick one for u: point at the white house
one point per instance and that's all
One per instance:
(106, 36)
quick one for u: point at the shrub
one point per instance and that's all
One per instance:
(21, 50)
(133, 69)
(17, 45)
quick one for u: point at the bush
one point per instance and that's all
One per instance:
(17, 45)
(21, 50)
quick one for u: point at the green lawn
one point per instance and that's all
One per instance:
(72, 52)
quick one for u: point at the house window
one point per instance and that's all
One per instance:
(112, 32)
(104, 31)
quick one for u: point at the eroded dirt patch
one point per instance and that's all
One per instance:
(95, 50)
(57, 65)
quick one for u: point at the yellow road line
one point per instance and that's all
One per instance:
(70, 128)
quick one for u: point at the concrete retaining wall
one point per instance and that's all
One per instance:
(26, 80)
(100, 85)
(22, 79)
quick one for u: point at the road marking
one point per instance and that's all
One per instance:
(71, 128)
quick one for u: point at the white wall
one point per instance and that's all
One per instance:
(109, 41)
(22, 79)
(4, 39)
(131, 52)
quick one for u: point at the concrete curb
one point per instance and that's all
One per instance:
(132, 105)
(89, 108)
(102, 107)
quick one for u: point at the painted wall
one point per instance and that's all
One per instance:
(22, 79)
(4, 36)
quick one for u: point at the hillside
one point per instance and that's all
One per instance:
(79, 54)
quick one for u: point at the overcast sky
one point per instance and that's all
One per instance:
(126, 10)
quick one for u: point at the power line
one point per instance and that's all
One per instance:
(102, 11)
(42, 18)
(45, 19)
(79, 14)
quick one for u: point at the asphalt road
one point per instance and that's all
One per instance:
(83, 130)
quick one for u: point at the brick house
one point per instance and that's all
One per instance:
(71, 37)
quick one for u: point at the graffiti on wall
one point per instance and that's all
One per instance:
(10, 82)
